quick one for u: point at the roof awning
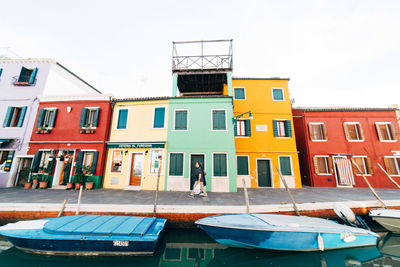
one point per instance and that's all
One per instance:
(4, 141)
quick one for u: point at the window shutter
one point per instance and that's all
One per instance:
(82, 120)
(159, 116)
(122, 118)
(40, 117)
(284, 164)
(380, 137)
(219, 120)
(9, 161)
(346, 131)
(369, 166)
(96, 117)
(172, 164)
(355, 169)
(36, 161)
(247, 126)
(311, 131)
(179, 165)
(235, 128)
(388, 166)
(316, 168)
(79, 160)
(53, 119)
(288, 128)
(51, 163)
(242, 165)
(223, 165)
(33, 76)
(22, 75)
(393, 131)
(330, 165)
(94, 162)
(181, 120)
(361, 131)
(325, 131)
(21, 117)
(7, 119)
(1, 70)
(220, 165)
(275, 124)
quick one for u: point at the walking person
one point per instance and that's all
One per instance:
(200, 179)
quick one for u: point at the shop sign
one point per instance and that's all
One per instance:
(135, 145)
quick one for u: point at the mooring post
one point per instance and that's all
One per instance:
(156, 196)
(246, 196)
(62, 208)
(288, 190)
(79, 201)
(390, 177)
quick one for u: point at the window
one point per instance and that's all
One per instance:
(392, 165)
(220, 165)
(46, 118)
(159, 117)
(15, 117)
(155, 164)
(173, 254)
(176, 164)
(181, 120)
(318, 131)
(285, 165)
(242, 165)
(323, 165)
(364, 163)
(239, 94)
(3, 159)
(242, 128)
(122, 118)
(89, 117)
(387, 131)
(1, 71)
(26, 76)
(353, 131)
(87, 161)
(218, 120)
(116, 161)
(282, 128)
(277, 94)
(196, 254)
(45, 160)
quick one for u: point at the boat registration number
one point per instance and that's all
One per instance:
(119, 243)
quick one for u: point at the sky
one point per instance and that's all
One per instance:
(336, 52)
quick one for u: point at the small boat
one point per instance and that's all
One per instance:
(88, 235)
(390, 219)
(284, 232)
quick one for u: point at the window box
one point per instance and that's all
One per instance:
(43, 131)
(87, 131)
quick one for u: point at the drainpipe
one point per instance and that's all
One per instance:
(112, 104)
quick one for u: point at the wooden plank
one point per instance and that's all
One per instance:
(390, 177)
(290, 194)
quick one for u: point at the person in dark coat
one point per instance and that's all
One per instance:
(200, 179)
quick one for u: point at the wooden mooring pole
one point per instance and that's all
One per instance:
(156, 196)
(79, 201)
(62, 208)
(246, 196)
(288, 190)
(390, 177)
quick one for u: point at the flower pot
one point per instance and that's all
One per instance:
(27, 185)
(89, 185)
(70, 186)
(43, 185)
(77, 186)
(35, 183)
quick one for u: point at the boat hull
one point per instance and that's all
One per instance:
(391, 224)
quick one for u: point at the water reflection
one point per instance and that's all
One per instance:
(194, 248)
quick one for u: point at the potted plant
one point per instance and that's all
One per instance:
(35, 180)
(41, 169)
(28, 183)
(70, 185)
(44, 181)
(79, 179)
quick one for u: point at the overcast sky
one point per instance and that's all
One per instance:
(336, 53)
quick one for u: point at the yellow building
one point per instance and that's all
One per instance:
(137, 146)
(264, 133)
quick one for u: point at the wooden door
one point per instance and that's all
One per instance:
(193, 160)
(264, 173)
(136, 169)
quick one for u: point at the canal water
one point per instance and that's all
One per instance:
(192, 247)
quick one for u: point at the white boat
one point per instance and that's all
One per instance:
(390, 219)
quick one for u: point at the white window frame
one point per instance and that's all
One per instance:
(358, 133)
(84, 155)
(291, 165)
(111, 161)
(187, 120)
(397, 165)
(89, 109)
(154, 116)
(12, 118)
(248, 165)
(388, 130)
(283, 93)
(234, 96)
(227, 166)
(364, 165)
(169, 164)
(1, 151)
(279, 130)
(162, 160)
(317, 140)
(117, 115)
(326, 164)
(226, 120)
(244, 128)
(47, 109)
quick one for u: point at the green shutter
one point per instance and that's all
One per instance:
(159, 116)
(9, 161)
(242, 165)
(50, 165)
(53, 119)
(21, 116)
(172, 164)
(220, 168)
(96, 117)
(94, 163)
(122, 118)
(33, 76)
(181, 120)
(179, 164)
(1, 71)
(219, 122)
(36, 161)
(235, 128)
(275, 124)
(176, 164)
(40, 118)
(7, 119)
(277, 94)
(79, 161)
(285, 166)
(288, 129)
(247, 127)
(22, 75)
(82, 120)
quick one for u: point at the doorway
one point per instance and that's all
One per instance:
(136, 173)
(264, 172)
(193, 159)
(343, 171)
(23, 174)
(62, 173)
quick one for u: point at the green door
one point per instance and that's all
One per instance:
(264, 173)
(193, 160)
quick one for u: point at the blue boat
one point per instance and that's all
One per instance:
(284, 232)
(89, 235)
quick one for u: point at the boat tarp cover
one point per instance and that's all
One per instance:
(100, 225)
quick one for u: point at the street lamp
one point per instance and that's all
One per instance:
(234, 119)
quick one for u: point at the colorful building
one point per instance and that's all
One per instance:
(264, 136)
(136, 149)
(21, 82)
(329, 138)
(70, 135)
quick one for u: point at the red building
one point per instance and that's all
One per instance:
(328, 138)
(70, 134)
